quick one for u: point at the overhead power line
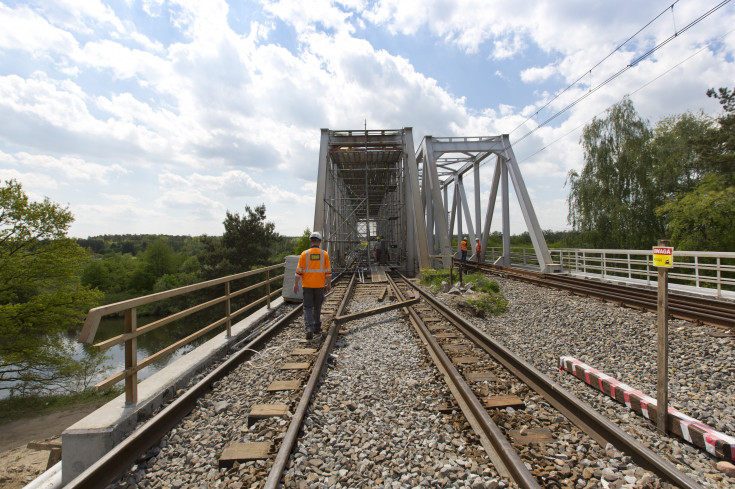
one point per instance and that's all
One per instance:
(621, 71)
(589, 72)
(631, 93)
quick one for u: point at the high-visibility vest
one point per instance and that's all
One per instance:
(463, 245)
(478, 248)
(314, 268)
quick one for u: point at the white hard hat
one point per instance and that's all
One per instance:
(316, 235)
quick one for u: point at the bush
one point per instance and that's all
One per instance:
(487, 286)
(487, 303)
(431, 277)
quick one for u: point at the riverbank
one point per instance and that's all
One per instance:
(37, 419)
(18, 464)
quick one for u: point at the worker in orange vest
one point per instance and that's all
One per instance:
(463, 246)
(478, 249)
(315, 272)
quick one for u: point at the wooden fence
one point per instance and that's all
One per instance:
(131, 332)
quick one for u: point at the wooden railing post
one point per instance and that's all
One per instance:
(131, 358)
(268, 287)
(128, 338)
(227, 309)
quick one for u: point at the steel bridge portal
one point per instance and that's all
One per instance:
(373, 183)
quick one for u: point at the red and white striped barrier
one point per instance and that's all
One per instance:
(695, 432)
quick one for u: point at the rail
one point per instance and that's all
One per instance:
(583, 416)
(132, 332)
(702, 269)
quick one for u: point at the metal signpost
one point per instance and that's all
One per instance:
(663, 258)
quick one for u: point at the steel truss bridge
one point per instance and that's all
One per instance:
(374, 183)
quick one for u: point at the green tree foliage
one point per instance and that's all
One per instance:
(302, 243)
(639, 185)
(677, 146)
(613, 200)
(40, 290)
(157, 260)
(720, 157)
(247, 243)
(702, 217)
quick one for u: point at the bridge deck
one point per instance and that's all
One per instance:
(377, 273)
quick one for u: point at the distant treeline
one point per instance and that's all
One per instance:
(131, 265)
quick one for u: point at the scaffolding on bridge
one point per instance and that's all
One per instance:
(372, 183)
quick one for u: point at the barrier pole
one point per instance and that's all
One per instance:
(662, 334)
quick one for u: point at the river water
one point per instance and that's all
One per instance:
(148, 344)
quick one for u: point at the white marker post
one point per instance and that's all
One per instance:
(663, 258)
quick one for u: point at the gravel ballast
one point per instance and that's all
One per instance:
(544, 324)
(374, 419)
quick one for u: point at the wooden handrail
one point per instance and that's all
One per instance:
(91, 323)
(131, 333)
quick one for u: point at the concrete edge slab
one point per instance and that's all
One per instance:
(87, 440)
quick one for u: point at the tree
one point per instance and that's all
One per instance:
(677, 148)
(612, 201)
(160, 258)
(720, 157)
(703, 219)
(249, 238)
(303, 242)
(40, 291)
(247, 243)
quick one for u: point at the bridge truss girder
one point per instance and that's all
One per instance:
(367, 186)
(443, 163)
(372, 183)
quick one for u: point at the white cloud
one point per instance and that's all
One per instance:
(306, 16)
(32, 182)
(536, 74)
(84, 16)
(200, 118)
(25, 30)
(70, 168)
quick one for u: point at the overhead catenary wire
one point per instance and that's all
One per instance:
(589, 71)
(611, 78)
(576, 128)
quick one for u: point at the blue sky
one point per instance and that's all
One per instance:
(158, 116)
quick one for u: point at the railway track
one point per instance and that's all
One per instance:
(594, 424)
(255, 435)
(700, 310)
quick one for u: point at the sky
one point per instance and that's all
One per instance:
(159, 116)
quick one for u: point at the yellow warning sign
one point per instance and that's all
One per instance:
(663, 256)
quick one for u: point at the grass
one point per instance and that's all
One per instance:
(489, 301)
(488, 304)
(18, 407)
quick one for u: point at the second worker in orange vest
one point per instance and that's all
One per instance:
(478, 249)
(315, 273)
(463, 248)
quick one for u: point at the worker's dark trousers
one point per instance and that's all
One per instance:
(313, 299)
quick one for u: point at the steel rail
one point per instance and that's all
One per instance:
(498, 448)
(292, 433)
(680, 306)
(583, 416)
(724, 311)
(116, 461)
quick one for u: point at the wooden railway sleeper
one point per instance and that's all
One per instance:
(505, 458)
(583, 416)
